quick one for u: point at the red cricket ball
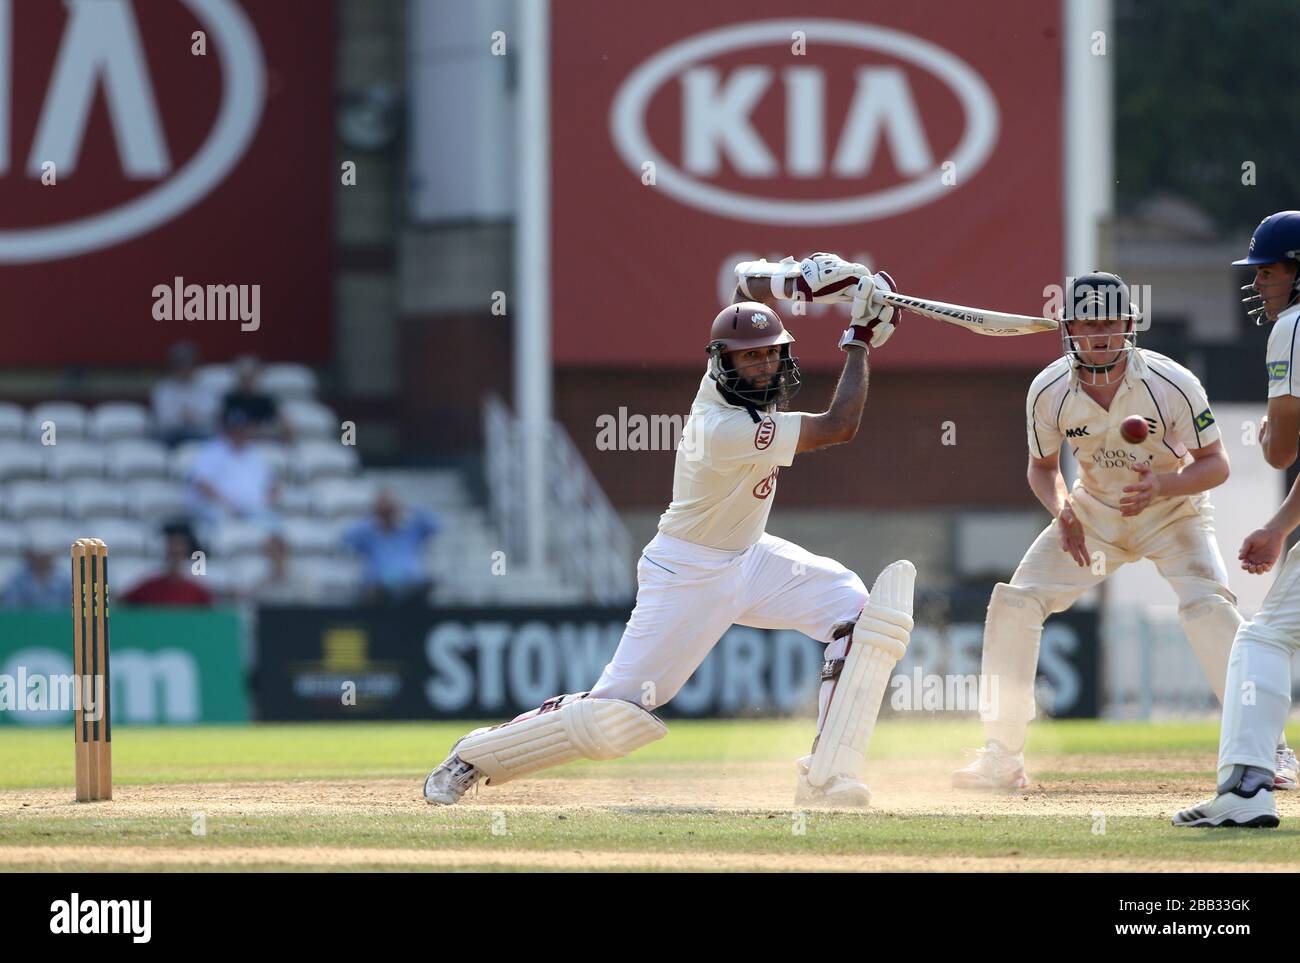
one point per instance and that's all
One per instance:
(1134, 429)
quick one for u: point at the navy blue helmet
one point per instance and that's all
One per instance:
(1276, 240)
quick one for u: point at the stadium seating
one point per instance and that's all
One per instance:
(91, 498)
(74, 459)
(115, 420)
(154, 500)
(12, 540)
(67, 418)
(340, 497)
(309, 538)
(13, 420)
(315, 460)
(311, 419)
(137, 458)
(217, 378)
(107, 477)
(27, 499)
(127, 539)
(20, 460)
(288, 381)
(238, 538)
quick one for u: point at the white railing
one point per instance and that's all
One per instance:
(1149, 669)
(504, 475)
(586, 542)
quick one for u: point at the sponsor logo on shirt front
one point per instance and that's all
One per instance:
(765, 433)
(768, 485)
(1118, 458)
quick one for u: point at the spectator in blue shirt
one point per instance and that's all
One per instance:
(391, 545)
(39, 584)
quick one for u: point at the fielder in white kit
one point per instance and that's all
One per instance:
(712, 565)
(1259, 671)
(1131, 501)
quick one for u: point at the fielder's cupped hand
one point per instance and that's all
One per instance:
(828, 278)
(1261, 550)
(1069, 531)
(1141, 493)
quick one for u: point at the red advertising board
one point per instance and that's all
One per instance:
(687, 136)
(141, 142)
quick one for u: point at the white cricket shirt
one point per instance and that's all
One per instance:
(1282, 377)
(1162, 391)
(724, 480)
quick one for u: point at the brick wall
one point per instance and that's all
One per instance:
(449, 365)
(898, 459)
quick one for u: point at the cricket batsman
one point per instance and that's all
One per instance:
(1132, 500)
(712, 563)
(1258, 685)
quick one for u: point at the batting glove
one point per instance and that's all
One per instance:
(872, 320)
(828, 278)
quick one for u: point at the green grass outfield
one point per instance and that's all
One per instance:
(346, 796)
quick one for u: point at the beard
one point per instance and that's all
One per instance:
(777, 391)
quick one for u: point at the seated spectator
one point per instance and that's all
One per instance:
(260, 410)
(183, 409)
(175, 584)
(391, 546)
(287, 581)
(40, 583)
(230, 478)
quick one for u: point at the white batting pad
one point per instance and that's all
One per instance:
(583, 729)
(879, 640)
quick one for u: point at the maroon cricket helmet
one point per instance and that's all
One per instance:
(740, 327)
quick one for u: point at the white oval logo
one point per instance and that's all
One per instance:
(243, 81)
(627, 121)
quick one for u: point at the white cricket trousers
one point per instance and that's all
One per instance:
(1175, 533)
(689, 595)
(1257, 699)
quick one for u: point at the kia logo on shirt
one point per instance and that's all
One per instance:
(765, 433)
(48, 124)
(737, 127)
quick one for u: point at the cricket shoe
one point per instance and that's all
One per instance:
(451, 780)
(1286, 771)
(841, 790)
(994, 768)
(1249, 803)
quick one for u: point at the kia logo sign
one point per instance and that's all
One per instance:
(763, 436)
(716, 121)
(100, 53)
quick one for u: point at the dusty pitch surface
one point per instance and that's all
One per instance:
(897, 788)
(740, 817)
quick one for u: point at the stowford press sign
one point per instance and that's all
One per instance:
(724, 86)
